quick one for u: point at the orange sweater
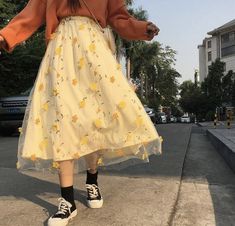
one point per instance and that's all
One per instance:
(50, 12)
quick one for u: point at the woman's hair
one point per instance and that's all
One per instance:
(74, 4)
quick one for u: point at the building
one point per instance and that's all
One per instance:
(220, 44)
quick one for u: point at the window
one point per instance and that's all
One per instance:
(225, 38)
(228, 51)
(228, 44)
(228, 38)
(209, 56)
(209, 44)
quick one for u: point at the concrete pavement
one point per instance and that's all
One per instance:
(223, 140)
(144, 194)
(207, 191)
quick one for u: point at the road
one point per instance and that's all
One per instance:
(153, 194)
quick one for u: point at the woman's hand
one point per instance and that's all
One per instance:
(2, 42)
(152, 30)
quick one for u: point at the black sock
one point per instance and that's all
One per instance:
(67, 194)
(92, 178)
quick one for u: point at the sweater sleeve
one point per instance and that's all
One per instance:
(24, 24)
(127, 26)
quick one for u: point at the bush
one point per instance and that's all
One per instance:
(210, 115)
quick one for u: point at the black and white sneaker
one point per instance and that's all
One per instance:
(94, 198)
(63, 215)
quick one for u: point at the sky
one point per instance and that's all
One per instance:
(184, 24)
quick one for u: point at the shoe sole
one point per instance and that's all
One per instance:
(95, 204)
(73, 214)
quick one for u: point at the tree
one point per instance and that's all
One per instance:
(153, 66)
(217, 90)
(7, 11)
(227, 87)
(233, 93)
(192, 99)
(212, 86)
(19, 69)
(126, 47)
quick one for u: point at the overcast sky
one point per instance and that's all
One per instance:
(185, 23)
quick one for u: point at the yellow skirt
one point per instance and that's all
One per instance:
(81, 104)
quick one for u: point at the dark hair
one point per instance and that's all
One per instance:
(74, 4)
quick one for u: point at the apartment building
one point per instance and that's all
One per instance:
(219, 44)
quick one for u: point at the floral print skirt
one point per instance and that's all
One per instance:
(81, 104)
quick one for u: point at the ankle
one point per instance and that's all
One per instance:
(92, 171)
(68, 194)
(92, 177)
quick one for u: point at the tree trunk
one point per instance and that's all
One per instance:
(141, 84)
(146, 88)
(128, 67)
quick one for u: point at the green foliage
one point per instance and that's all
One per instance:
(210, 115)
(217, 89)
(153, 66)
(218, 86)
(213, 82)
(228, 82)
(233, 93)
(192, 100)
(9, 8)
(19, 69)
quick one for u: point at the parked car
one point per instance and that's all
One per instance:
(168, 118)
(173, 118)
(151, 113)
(185, 119)
(161, 117)
(12, 110)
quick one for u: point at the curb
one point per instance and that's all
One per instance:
(225, 151)
(174, 209)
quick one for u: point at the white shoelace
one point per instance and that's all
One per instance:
(92, 190)
(64, 206)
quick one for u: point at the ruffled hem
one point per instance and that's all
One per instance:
(109, 158)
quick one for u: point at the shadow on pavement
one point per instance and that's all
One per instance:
(22, 186)
(205, 165)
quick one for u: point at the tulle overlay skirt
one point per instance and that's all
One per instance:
(82, 105)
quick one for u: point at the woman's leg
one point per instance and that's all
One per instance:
(66, 181)
(65, 210)
(94, 198)
(66, 173)
(92, 162)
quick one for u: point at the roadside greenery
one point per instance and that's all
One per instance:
(217, 90)
(18, 69)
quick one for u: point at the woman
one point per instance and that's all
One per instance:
(81, 108)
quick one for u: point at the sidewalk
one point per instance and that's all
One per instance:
(223, 140)
(220, 124)
(207, 193)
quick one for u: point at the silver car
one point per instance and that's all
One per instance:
(161, 117)
(185, 119)
(150, 112)
(12, 110)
